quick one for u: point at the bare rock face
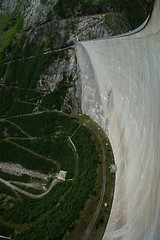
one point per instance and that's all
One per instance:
(101, 26)
(66, 32)
(55, 73)
(55, 34)
(34, 11)
(7, 6)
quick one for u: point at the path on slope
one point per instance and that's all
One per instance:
(18, 127)
(103, 189)
(54, 182)
(34, 153)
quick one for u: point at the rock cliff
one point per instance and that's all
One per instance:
(42, 31)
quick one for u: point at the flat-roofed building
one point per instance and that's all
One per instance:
(62, 175)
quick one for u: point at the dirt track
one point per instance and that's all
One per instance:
(54, 182)
(90, 227)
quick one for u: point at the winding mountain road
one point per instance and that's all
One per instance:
(36, 196)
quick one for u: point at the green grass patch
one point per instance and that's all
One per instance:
(5, 230)
(63, 216)
(29, 95)
(5, 99)
(6, 190)
(46, 124)
(108, 18)
(57, 149)
(32, 67)
(11, 25)
(10, 177)
(30, 210)
(29, 189)
(3, 68)
(9, 130)
(17, 108)
(66, 8)
(43, 216)
(133, 9)
(23, 157)
(86, 215)
(16, 101)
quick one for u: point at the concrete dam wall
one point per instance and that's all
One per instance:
(121, 91)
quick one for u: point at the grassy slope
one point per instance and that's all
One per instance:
(79, 191)
(136, 10)
(11, 25)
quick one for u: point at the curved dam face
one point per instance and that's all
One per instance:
(120, 80)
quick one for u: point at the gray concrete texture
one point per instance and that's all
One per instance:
(120, 80)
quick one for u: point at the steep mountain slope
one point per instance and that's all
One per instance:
(39, 79)
(34, 28)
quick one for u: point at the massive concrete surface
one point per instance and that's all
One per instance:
(121, 91)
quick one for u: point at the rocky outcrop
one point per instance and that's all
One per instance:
(55, 72)
(68, 66)
(34, 11)
(7, 6)
(61, 33)
(18, 170)
(44, 34)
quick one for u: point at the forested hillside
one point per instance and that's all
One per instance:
(42, 130)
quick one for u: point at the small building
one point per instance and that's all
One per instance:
(62, 175)
(113, 168)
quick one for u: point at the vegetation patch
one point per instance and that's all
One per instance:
(39, 138)
(63, 217)
(55, 99)
(10, 177)
(19, 92)
(81, 225)
(11, 25)
(27, 159)
(33, 68)
(29, 210)
(48, 124)
(8, 129)
(133, 9)
(62, 205)
(57, 148)
(16, 43)
(108, 18)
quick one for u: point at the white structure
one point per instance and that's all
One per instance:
(121, 92)
(62, 175)
(113, 168)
